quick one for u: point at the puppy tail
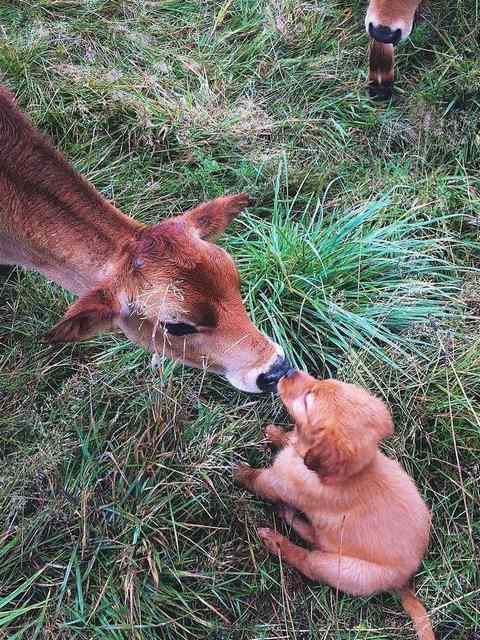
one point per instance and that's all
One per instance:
(381, 63)
(417, 613)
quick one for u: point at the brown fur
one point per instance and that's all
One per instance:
(393, 14)
(128, 275)
(366, 523)
(388, 12)
(381, 70)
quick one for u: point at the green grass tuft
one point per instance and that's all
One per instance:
(326, 284)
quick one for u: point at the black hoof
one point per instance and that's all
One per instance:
(382, 91)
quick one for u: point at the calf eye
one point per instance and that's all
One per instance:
(179, 328)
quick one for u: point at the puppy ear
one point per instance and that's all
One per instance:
(330, 456)
(379, 418)
(386, 427)
(92, 313)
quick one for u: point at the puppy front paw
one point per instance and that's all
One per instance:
(271, 539)
(244, 474)
(275, 435)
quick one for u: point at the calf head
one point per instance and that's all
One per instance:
(390, 21)
(178, 294)
(337, 425)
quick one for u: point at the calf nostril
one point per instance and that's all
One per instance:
(268, 381)
(397, 36)
(384, 34)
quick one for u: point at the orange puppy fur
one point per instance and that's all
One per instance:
(364, 519)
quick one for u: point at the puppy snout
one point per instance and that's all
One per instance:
(292, 384)
(384, 34)
(268, 381)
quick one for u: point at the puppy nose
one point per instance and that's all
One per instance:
(268, 381)
(384, 34)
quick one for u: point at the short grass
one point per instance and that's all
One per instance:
(119, 517)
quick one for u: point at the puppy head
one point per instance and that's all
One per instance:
(338, 425)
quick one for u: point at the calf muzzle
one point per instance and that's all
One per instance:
(384, 34)
(267, 381)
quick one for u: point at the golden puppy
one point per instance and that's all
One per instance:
(365, 520)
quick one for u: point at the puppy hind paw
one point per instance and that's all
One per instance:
(271, 539)
(244, 473)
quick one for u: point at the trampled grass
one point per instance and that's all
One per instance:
(119, 517)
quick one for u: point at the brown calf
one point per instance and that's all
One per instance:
(387, 23)
(166, 286)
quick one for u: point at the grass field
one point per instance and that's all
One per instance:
(119, 517)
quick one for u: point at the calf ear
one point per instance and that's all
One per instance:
(92, 313)
(210, 219)
(331, 456)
